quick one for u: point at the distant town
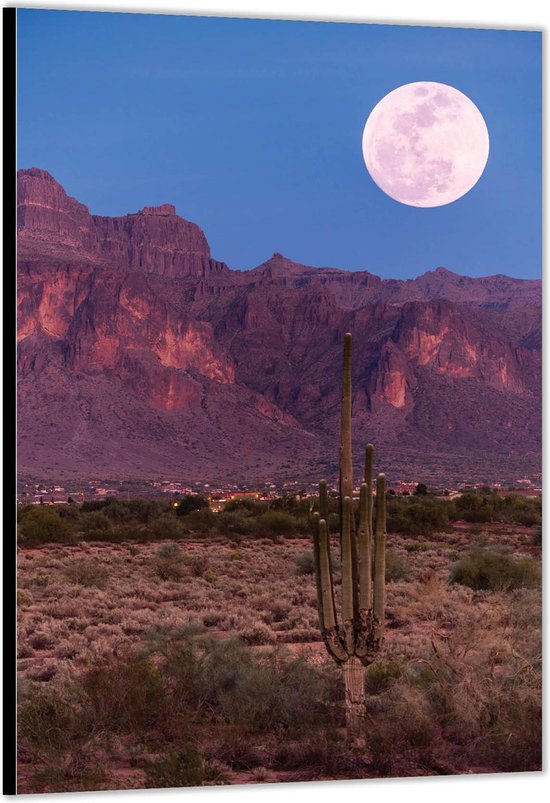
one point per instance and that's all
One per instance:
(34, 492)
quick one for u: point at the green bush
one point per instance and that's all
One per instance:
(170, 551)
(397, 567)
(236, 522)
(276, 694)
(418, 515)
(200, 521)
(39, 524)
(483, 507)
(116, 511)
(176, 770)
(94, 504)
(95, 522)
(166, 527)
(305, 563)
(298, 508)
(191, 502)
(482, 569)
(125, 697)
(276, 522)
(198, 565)
(381, 675)
(251, 505)
(88, 573)
(169, 562)
(50, 721)
(147, 510)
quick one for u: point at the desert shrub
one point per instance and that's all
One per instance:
(536, 537)
(168, 562)
(125, 696)
(277, 610)
(146, 510)
(166, 527)
(239, 753)
(483, 569)
(511, 735)
(483, 507)
(258, 633)
(276, 522)
(39, 524)
(182, 669)
(305, 563)
(121, 533)
(290, 504)
(70, 775)
(521, 510)
(41, 641)
(93, 523)
(251, 505)
(86, 572)
(527, 517)
(236, 522)
(200, 521)
(381, 675)
(416, 546)
(402, 729)
(170, 551)
(397, 567)
(273, 694)
(176, 769)
(94, 504)
(418, 515)
(198, 565)
(117, 511)
(475, 507)
(256, 694)
(323, 753)
(191, 502)
(50, 721)
(167, 569)
(69, 511)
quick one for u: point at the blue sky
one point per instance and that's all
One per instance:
(252, 128)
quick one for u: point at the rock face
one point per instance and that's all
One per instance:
(140, 355)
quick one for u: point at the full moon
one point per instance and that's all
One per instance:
(425, 144)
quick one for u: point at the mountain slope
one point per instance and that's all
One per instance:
(140, 355)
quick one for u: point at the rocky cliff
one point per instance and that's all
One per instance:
(141, 355)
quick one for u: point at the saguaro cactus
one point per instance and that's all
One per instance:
(354, 643)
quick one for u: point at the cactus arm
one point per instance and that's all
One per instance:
(364, 636)
(323, 500)
(348, 608)
(369, 457)
(380, 557)
(327, 595)
(329, 631)
(365, 553)
(316, 559)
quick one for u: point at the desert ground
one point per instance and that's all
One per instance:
(199, 661)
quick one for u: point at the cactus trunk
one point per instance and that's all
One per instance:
(354, 643)
(346, 469)
(354, 684)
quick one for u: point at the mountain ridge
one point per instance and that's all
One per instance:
(206, 362)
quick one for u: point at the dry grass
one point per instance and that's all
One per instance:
(460, 667)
